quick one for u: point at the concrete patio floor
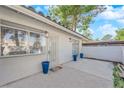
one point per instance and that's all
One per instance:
(84, 73)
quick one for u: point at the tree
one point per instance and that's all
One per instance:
(107, 37)
(75, 16)
(120, 34)
(16, 38)
(86, 33)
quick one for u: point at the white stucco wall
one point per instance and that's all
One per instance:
(65, 48)
(112, 53)
(18, 67)
(14, 68)
(123, 55)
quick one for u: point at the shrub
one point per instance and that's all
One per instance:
(118, 81)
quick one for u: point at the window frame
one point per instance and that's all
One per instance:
(28, 33)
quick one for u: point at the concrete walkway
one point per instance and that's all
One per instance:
(101, 69)
(74, 74)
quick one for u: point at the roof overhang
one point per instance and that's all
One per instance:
(103, 43)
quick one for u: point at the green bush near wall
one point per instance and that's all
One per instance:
(118, 81)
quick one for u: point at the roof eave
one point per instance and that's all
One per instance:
(45, 20)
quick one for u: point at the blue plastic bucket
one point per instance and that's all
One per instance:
(74, 57)
(81, 55)
(45, 67)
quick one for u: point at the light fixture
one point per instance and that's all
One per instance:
(46, 33)
(70, 39)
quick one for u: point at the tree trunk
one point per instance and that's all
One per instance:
(74, 23)
(16, 38)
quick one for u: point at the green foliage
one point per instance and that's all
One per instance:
(86, 21)
(75, 16)
(87, 33)
(107, 37)
(120, 34)
(118, 81)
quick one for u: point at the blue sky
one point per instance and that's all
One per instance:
(108, 21)
(43, 8)
(105, 23)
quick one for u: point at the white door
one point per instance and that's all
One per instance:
(52, 51)
(75, 47)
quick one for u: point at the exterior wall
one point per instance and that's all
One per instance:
(123, 55)
(64, 46)
(18, 67)
(14, 68)
(65, 53)
(112, 53)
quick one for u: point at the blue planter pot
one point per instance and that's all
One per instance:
(74, 57)
(45, 67)
(81, 55)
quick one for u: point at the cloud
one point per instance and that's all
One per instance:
(108, 29)
(120, 21)
(112, 13)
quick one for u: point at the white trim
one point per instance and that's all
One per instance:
(27, 12)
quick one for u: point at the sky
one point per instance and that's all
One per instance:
(106, 22)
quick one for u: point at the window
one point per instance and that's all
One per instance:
(13, 41)
(17, 42)
(35, 43)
